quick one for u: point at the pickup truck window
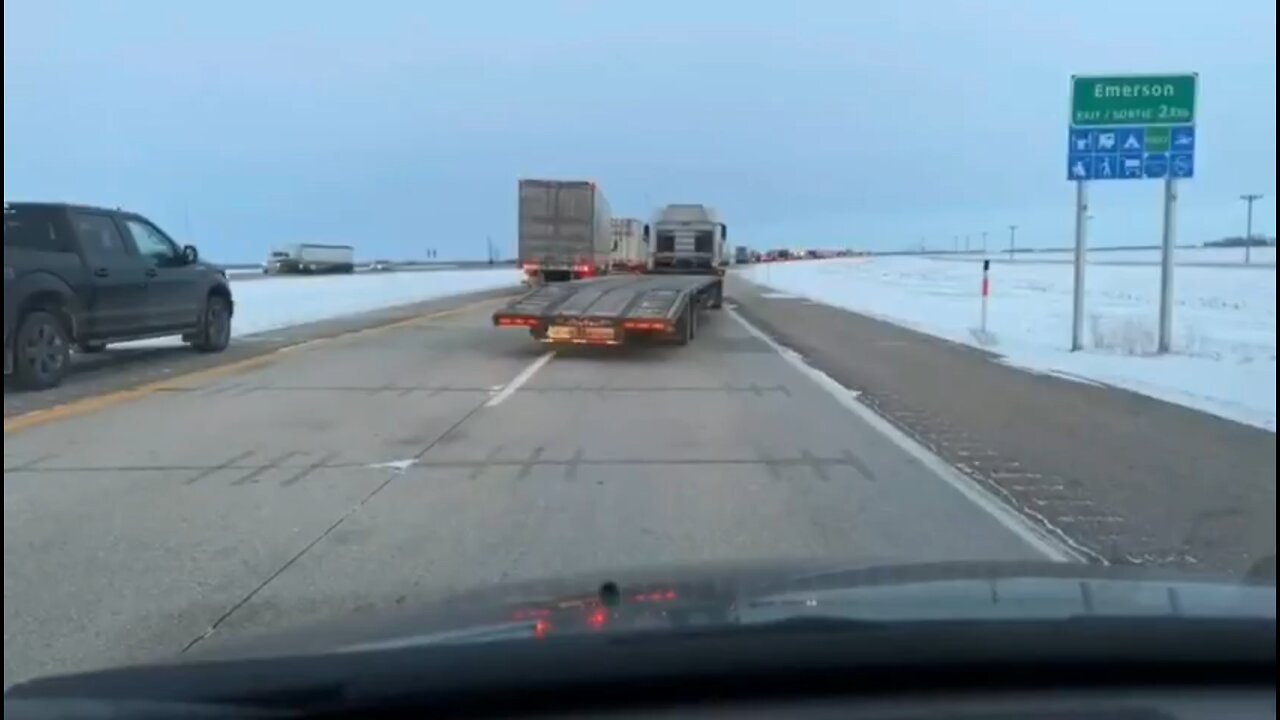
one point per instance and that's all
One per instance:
(152, 243)
(98, 235)
(32, 229)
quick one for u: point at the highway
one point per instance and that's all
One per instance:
(361, 469)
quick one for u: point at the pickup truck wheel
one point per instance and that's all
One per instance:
(42, 351)
(215, 326)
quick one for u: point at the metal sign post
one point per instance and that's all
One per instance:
(986, 291)
(1166, 265)
(1131, 127)
(1077, 287)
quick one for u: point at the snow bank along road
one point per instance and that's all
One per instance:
(385, 465)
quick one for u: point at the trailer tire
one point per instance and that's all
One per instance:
(684, 327)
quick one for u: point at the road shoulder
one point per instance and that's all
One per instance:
(1126, 477)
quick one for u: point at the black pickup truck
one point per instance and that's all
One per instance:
(82, 277)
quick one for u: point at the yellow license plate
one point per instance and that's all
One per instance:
(598, 334)
(562, 332)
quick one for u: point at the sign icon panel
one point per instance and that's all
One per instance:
(1182, 165)
(1183, 139)
(1156, 165)
(1080, 167)
(1081, 141)
(1131, 166)
(1104, 167)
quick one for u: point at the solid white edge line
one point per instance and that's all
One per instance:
(511, 387)
(1047, 545)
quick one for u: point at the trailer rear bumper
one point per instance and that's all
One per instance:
(613, 310)
(574, 331)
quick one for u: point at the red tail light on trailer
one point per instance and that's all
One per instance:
(517, 322)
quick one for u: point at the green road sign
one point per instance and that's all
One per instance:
(1110, 100)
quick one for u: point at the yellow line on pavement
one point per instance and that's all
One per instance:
(84, 406)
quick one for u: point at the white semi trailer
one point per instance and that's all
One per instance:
(311, 258)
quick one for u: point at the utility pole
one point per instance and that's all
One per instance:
(955, 244)
(966, 243)
(1249, 200)
(984, 242)
(1013, 232)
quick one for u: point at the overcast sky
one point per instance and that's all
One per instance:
(398, 125)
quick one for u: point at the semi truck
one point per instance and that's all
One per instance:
(630, 249)
(664, 304)
(311, 258)
(687, 239)
(564, 230)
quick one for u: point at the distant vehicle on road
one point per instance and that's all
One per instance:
(630, 248)
(565, 230)
(683, 277)
(742, 255)
(687, 239)
(381, 266)
(311, 258)
(84, 277)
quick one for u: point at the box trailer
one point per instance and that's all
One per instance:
(630, 250)
(564, 230)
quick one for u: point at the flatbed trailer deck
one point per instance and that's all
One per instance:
(612, 310)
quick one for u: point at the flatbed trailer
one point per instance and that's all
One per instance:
(616, 309)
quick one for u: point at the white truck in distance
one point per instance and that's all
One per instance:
(630, 249)
(311, 258)
(687, 239)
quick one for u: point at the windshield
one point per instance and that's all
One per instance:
(697, 301)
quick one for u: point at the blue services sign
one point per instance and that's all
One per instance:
(1160, 144)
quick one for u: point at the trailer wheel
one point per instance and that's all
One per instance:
(684, 327)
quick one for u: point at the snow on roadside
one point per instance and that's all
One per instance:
(1224, 359)
(1259, 256)
(270, 304)
(263, 305)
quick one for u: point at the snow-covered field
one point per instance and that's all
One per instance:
(269, 304)
(1262, 256)
(1224, 359)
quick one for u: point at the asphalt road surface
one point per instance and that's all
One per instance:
(435, 453)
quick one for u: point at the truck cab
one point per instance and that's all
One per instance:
(687, 239)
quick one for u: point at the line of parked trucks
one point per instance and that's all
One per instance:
(660, 274)
(566, 231)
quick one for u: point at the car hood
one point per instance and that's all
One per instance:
(735, 594)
